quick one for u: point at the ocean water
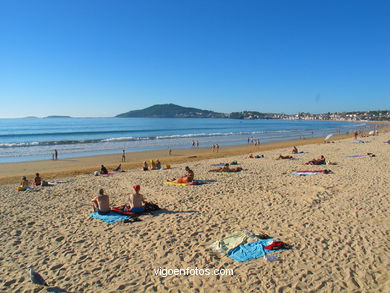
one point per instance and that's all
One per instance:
(27, 139)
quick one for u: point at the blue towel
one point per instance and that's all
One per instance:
(112, 217)
(250, 251)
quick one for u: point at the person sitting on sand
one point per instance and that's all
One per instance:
(284, 157)
(188, 177)
(294, 150)
(118, 169)
(158, 164)
(24, 183)
(226, 168)
(153, 165)
(37, 179)
(320, 161)
(250, 156)
(101, 203)
(103, 170)
(145, 167)
(137, 201)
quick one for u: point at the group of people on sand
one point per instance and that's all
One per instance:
(215, 148)
(154, 165)
(25, 184)
(101, 203)
(104, 171)
(226, 168)
(251, 156)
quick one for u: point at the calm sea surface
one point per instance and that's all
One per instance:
(28, 139)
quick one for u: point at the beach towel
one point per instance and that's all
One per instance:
(310, 172)
(120, 210)
(218, 165)
(112, 217)
(229, 172)
(249, 251)
(195, 182)
(233, 240)
(108, 174)
(359, 141)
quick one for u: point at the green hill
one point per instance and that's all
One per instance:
(170, 111)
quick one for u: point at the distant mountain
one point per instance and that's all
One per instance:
(57, 116)
(171, 111)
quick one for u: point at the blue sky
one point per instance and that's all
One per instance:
(102, 58)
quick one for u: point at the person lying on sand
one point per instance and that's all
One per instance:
(226, 168)
(37, 179)
(137, 201)
(284, 157)
(101, 203)
(118, 169)
(294, 150)
(145, 167)
(251, 156)
(320, 161)
(186, 178)
(103, 170)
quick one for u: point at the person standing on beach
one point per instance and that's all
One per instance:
(217, 147)
(123, 156)
(170, 151)
(55, 154)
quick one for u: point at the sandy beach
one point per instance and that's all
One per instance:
(337, 224)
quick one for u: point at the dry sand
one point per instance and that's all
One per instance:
(338, 225)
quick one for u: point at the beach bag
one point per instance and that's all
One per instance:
(150, 207)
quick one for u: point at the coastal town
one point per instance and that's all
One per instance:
(339, 116)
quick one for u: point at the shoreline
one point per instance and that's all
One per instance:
(62, 168)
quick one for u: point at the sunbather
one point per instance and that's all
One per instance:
(137, 201)
(294, 150)
(186, 178)
(320, 161)
(226, 168)
(118, 169)
(24, 183)
(103, 170)
(101, 203)
(145, 167)
(153, 165)
(158, 164)
(284, 157)
(37, 179)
